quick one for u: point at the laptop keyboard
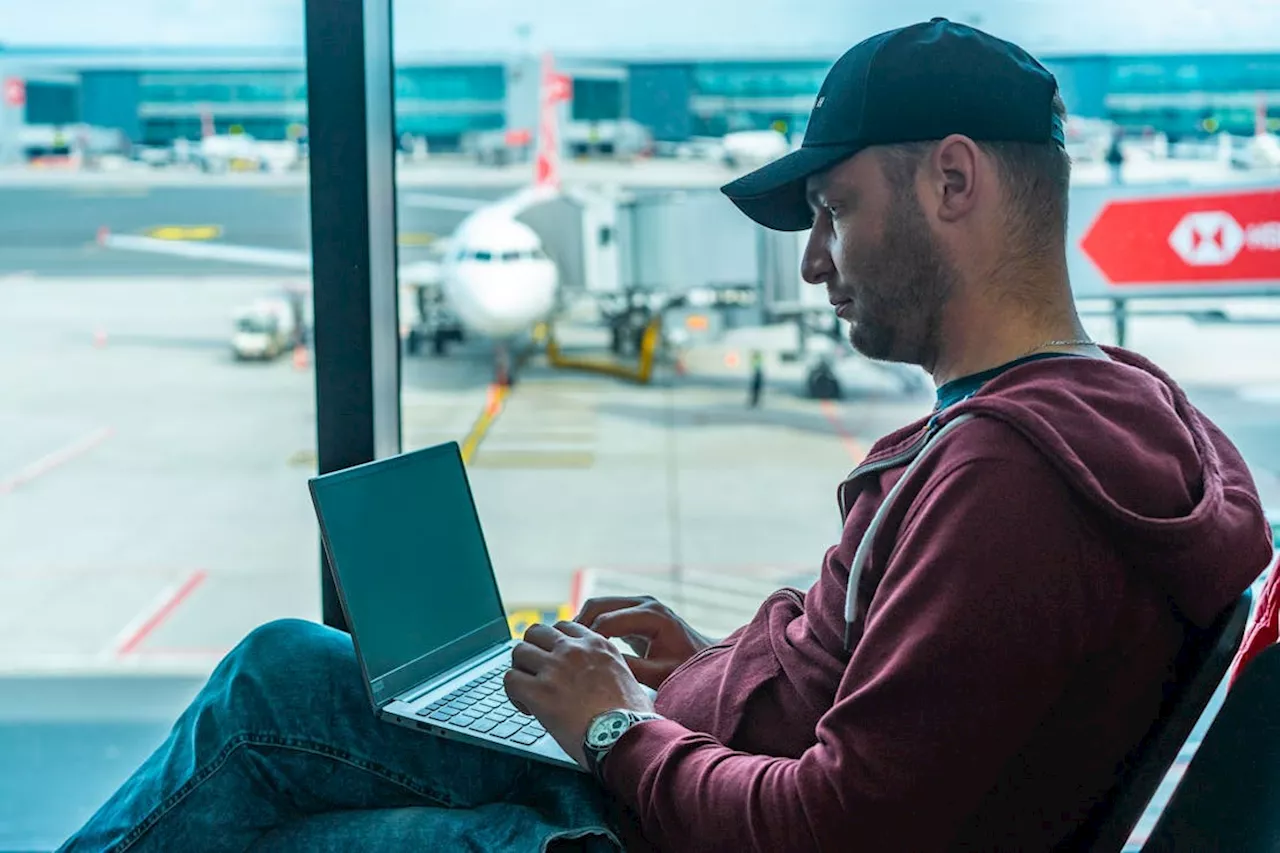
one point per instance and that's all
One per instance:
(481, 705)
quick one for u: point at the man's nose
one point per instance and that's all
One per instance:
(816, 266)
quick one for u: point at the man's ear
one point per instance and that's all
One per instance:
(954, 167)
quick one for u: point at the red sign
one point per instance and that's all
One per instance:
(15, 91)
(1207, 238)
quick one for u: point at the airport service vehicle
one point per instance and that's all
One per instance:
(263, 330)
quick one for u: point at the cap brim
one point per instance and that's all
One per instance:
(774, 194)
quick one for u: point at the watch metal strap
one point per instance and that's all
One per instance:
(595, 757)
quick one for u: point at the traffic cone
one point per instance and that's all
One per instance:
(300, 357)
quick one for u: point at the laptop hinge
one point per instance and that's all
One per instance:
(412, 694)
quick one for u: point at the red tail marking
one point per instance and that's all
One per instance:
(555, 88)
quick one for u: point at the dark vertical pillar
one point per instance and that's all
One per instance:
(351, 130)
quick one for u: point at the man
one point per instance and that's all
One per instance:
(757, 379)
(1022, 562)
(1115, 157)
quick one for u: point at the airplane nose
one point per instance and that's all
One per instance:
(506, 302)
(514, 296)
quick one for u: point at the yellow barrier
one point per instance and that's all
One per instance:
(185, 232)
(642, 372)
(520, 619)
(416, 238)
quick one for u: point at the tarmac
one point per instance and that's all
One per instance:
(154, 496)
(154, 489)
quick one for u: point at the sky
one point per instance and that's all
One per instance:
(694, 27)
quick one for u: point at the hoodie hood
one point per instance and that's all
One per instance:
(1166, 481)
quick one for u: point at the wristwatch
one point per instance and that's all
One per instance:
(604, 731)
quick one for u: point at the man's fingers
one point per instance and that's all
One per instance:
(640, 645)
(519, 686)
(542, 636)
(635, 621)
(573, 629)
(527, 657)
(647, 672)
(596, 606)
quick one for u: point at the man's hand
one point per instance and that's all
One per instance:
(667, 640)
(566, 675)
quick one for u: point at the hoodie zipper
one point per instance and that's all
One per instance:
(897, 459)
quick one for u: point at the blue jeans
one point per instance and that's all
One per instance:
(281, 751)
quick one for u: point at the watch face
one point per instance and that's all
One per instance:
(607, 728)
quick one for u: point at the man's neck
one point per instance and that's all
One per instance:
(978, 337)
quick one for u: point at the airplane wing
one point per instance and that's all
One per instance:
(282, 258)
(511, 205)
(432, 201)
(413, 273)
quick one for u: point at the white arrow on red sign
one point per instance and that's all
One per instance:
(1204, 238)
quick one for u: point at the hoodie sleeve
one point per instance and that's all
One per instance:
(976, 627)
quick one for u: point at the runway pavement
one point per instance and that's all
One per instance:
(53, 230)
(153, 490)
(49, 220)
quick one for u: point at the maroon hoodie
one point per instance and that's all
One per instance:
(1016, 620)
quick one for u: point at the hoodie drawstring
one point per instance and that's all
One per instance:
(863, 555)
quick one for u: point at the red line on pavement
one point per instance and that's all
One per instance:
(45, 464)
(493, 403)
(851, 445)
(575, 592)
(163, 612)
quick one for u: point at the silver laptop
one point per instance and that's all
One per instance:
(416, 584)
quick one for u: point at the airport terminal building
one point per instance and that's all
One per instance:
(156, 96)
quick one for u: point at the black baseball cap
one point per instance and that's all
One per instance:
(917, 83)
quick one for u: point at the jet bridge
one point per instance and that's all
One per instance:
(640, 257)
(608, 241)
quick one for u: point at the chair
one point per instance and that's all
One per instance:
(1201, 665)
(1229, 797)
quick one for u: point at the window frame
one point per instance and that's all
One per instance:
(351, 131)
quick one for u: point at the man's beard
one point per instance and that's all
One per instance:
(900, 289)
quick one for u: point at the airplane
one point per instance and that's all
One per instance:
(492, 273)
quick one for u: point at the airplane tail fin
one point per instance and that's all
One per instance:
(555, 88)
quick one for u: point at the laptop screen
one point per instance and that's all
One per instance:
(413, 570)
